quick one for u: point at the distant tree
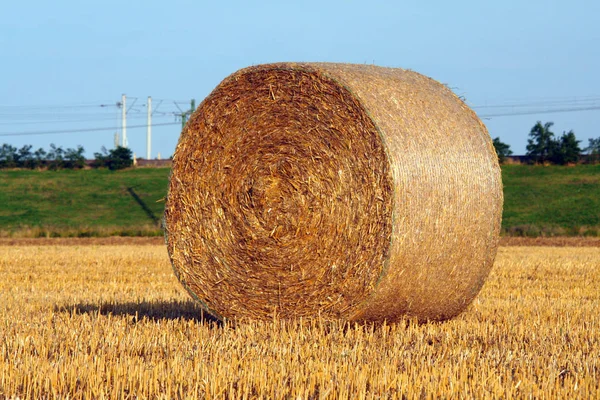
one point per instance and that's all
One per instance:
(122, 158)
(100, 158)
(541, 145)
(39, 158)
(55, 157)
(25, 157)
(593, 150)
(502, 150)
(8, 156)
(567, 149)
(118, 158)
(74, 158)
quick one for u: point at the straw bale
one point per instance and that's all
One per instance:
(346, 191)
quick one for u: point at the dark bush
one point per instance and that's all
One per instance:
(118, 158)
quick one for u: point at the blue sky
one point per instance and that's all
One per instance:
(65, 64)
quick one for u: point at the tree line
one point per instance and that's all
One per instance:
(57, 158)
(544, 147)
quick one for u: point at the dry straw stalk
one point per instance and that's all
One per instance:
(346, 191)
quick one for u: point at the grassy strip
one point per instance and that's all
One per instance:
(85, 203)
(539, 201)
(551, 201)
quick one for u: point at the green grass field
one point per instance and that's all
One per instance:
(82, 203)
(552, 200)
(549, 201)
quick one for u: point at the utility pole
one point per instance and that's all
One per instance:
(149, 129)
(192, 107)
(124, 118)
(185, 114)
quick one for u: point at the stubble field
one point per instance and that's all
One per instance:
(111, 321)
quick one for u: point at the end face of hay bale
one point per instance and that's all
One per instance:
(280, 198)
(346, 191)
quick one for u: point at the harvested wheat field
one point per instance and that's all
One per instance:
(113, 322)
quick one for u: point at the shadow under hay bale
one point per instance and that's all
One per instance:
(152, 310)
(351, 192)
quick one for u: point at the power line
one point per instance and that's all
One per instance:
(57, 107)
(69, 121)
(550, 99)
(44, 117)
(532, 112)
(81, 130)
(54, 116)
(592, 101)
(67, 113)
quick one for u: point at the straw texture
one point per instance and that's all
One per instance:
(347, 191)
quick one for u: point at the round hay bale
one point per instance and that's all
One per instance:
(345, 191)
